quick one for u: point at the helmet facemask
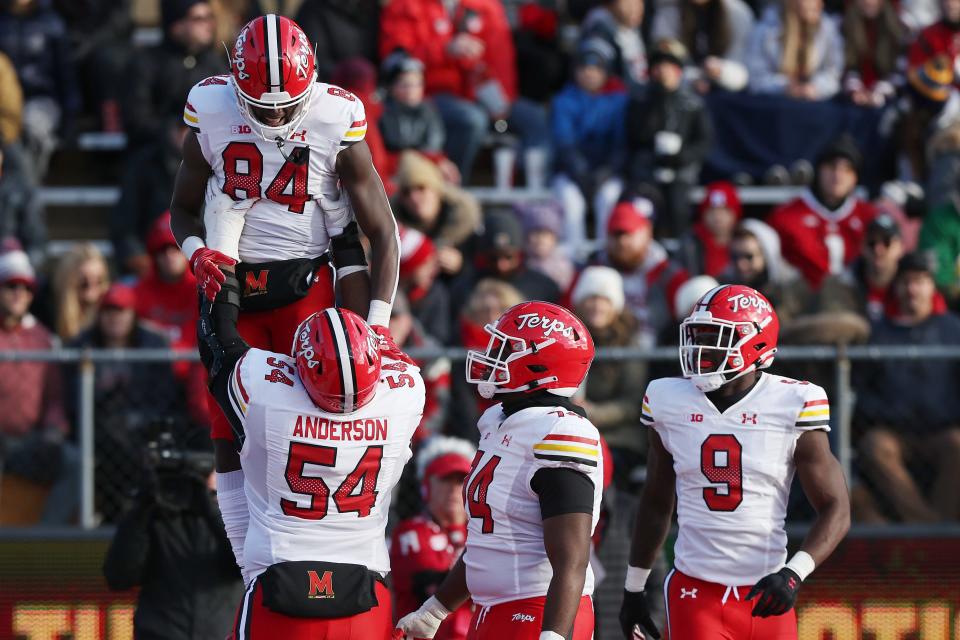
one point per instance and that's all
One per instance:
(490, 371)
(711, 350)
(274, 101)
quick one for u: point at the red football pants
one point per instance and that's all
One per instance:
(522, 619)
(697, 609)
(256, 622)
(273, 331)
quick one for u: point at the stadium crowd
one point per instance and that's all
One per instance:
(605, 107)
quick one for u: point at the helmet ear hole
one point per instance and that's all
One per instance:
(760, 346)
(537, 368)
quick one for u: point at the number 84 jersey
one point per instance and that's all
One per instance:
(286, 223)
(734, 470)
(505, 558)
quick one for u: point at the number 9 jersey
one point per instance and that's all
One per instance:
(734, 470)
(286, 222)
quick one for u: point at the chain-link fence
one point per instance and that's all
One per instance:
(135, 416)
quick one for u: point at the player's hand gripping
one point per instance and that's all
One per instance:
(635, 616)
(778, 593)
(205, 264)
(388, 347)
(422, 623)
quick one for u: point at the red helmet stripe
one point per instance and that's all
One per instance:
(353, 364)
(271, 30)
(341, 343)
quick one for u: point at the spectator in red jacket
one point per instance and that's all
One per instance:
(706, 249)
(423, 548)
(33, 423)
(942, 38)
(167, 298)
(822, 230)
(470, 70)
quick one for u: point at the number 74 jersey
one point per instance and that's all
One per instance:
(734, 470)
(286, 222)
(505, 557)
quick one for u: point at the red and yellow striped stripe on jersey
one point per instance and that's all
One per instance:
(238, 395)
(356, 132)
(190, 117)
(566, 448)
(646, 414)
(815, 413)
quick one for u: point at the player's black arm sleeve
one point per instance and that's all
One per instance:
(656, 505)
(566, 506)
(221, 346)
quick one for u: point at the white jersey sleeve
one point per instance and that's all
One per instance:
(815, 411)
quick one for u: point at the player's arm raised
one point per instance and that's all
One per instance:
(372, 299)
(567, 520)
(189, 190)
(424, 622)
(649, 531)
(822, 480)
(221, 351)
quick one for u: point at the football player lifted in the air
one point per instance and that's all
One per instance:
(533, 494)
(304, 490)
(725, 442)
(277, 164)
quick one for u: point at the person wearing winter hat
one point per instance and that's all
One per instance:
(542, 229)
(822, 230)
(33, 423)
(425, 547)
(428, 297)
(609, 392)
(425, 201)
(706, 248)
(587, 126)
(409, 121)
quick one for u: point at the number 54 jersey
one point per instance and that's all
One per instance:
(286, 222)
(734, 470)
(505, 557)
(318, 485)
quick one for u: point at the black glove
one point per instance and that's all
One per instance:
(635, 611)
(778, 593)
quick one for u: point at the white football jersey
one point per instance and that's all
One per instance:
(734, 471)
(318, 484)
(286, 222)
(505, 558)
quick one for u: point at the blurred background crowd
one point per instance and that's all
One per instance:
(622, 137)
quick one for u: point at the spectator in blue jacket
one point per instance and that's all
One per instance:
(588, 134)
(35, 38)
(910, 452)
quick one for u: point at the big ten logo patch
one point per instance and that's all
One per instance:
(240, 129)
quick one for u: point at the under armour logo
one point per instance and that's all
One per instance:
(748, 418)
(691, 593)
(302, 135)
(792, 582)
(506, 441)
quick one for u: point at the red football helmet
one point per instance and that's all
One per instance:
(533, 345)
(274, 72)
(731, 331)
(338, 360)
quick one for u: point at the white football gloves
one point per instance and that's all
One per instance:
(422, 623)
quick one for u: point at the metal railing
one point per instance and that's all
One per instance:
(842, 358)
